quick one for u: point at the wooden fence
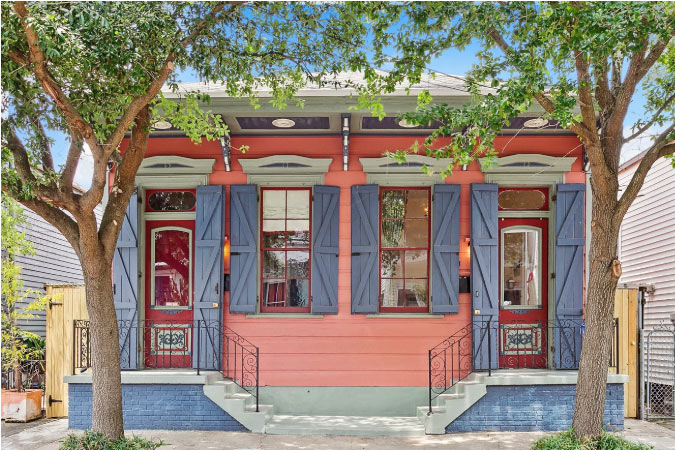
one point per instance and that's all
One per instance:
(626, 310)
(67, 304)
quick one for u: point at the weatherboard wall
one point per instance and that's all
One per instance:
(351, 349)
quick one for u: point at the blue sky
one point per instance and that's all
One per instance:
(451, 62)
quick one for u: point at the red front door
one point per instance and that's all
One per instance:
(169, 291)
(523, 306)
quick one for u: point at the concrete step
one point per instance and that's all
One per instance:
(345, 425)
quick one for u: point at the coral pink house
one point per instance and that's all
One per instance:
(312, 278)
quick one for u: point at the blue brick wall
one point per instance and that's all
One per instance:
(155, 406)
(533, 408)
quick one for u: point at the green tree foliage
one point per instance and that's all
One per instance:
(95, 71)
(17, 344)
(579, 63)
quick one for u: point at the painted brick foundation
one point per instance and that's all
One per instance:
(532, 408)
(155, 406)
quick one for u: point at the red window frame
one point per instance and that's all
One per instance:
(285, 309)
(404, 309)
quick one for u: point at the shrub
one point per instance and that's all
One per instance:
(568, 441)
(96, 441)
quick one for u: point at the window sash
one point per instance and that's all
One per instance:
(404, 250)
(264, 308)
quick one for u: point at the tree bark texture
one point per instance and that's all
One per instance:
(105, 355)
(592, 376)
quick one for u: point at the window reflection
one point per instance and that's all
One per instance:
(172, 201)
(285, 248)
(521, 267)
(404, 243)
(172, 250)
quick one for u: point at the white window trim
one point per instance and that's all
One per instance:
(285, 170)
(385, 171)
(527, 163)
(152, 270)
(516, 228)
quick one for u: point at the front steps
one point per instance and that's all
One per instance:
(241, 406)
(451, 405)
(345, 425)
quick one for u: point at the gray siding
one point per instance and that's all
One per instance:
(647, 248)
(54, 262)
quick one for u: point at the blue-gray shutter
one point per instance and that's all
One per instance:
(208, 276)
(445, 262)
(243, 248)
(325, 248)
(365, 247)
(125, 286)
(485, 275)
(569, 273)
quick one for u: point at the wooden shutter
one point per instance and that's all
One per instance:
(208, 273)
(445, 249)
(243, 248)
(485, 275)
(325, 247)
(365, 247)
(125, 286)
(569, 273)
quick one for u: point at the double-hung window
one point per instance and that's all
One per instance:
(404, 249)
(285, 247)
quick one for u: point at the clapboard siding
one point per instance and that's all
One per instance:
(54, 262)
(647, 248)
(346, 349)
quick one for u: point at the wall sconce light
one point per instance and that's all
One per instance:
(226, 252)
(345, 141)
(468, 241)
(225, 148)
(465, 167)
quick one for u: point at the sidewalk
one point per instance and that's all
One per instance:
(48, 435)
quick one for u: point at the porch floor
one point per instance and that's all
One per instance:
(345, 425)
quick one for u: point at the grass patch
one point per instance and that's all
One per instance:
(568, 441)
(96, 441)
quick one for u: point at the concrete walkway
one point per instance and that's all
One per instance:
(48, 435)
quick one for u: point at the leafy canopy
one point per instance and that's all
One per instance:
(530, 53)
(104, 56)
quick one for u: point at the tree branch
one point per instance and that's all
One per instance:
(54, 216)
(123, 186)
(50, 86)
(646, 126)
(661, 148)
(542, 99)
(72, 161)
(637, 69)
(603, 93)
(167, 68)
(45, 150)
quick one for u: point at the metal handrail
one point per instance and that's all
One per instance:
(452, 360)
(228, 352)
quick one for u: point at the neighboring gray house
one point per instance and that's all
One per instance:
(54, 262)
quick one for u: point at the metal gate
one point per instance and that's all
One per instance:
(658, 372)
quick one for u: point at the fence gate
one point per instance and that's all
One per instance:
(68, 303)
(658, 372)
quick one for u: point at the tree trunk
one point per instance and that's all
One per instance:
(18, 381)
(105, 355)
(591, 385)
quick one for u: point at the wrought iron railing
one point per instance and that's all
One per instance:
(515, 345)
(199, 345)
(449, 363)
